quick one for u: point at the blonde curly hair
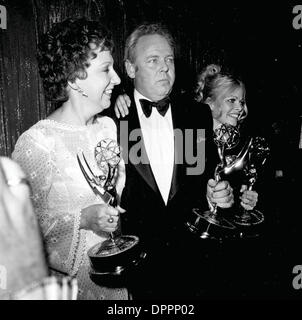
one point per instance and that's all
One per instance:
(212, 81)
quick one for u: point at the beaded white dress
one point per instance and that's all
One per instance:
(47, 152)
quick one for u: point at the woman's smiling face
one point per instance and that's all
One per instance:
(228, 106)
(100, 81)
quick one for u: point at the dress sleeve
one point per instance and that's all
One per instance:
(61, 233)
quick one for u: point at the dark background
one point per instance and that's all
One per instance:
(256, 39)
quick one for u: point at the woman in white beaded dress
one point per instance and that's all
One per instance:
(76, 67)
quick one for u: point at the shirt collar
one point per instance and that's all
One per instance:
(138, 96)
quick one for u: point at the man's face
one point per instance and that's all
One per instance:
(153, 69)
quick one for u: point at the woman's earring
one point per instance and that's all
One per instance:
(82, 92)
(79, 90)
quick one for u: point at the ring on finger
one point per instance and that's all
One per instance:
(110, 219)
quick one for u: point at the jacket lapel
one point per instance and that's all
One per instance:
(136, 149)
(137, 154)
(178, 170)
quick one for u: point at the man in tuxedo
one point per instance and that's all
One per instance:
(163, 184)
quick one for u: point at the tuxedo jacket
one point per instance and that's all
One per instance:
(160, 226)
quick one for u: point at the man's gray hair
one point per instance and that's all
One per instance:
(143, 30)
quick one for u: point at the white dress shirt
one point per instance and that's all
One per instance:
(158, 135)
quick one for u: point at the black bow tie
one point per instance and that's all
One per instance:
(161, 106)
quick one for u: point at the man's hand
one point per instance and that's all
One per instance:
(122, 105)
(21, 249)
(220, 193)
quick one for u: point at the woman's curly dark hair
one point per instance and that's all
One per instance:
(64, 51)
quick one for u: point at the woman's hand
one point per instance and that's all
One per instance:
(122, 104)
(248, 198)
(100, 217)
(220, 193)
(22, 259)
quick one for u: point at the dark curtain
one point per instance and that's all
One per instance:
(260, 42)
